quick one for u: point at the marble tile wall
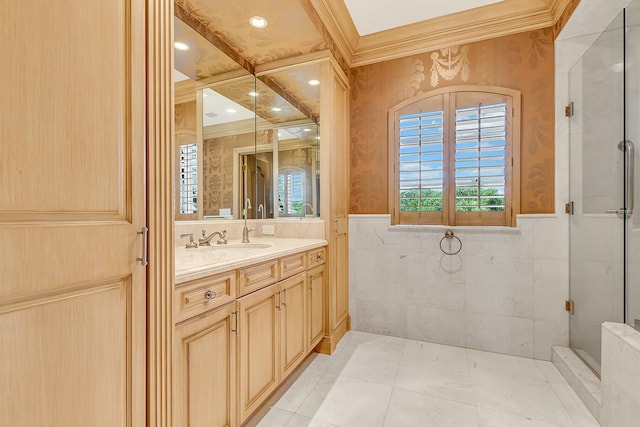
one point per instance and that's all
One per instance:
(504, 292)
(620, 375)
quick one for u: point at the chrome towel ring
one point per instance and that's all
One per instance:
(449, 236)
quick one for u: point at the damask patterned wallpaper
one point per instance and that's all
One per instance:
(218, 168)
(523, 61)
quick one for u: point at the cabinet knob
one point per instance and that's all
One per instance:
(209, 294)
(318, 257)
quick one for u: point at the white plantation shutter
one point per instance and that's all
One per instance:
(421, 161)
(480, 157)
(455, 157)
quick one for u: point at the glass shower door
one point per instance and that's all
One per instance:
(632, 113)
(597, 187)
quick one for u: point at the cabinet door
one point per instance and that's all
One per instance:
(315, 306)
(206, 370)
(258, 347)
(293, 343)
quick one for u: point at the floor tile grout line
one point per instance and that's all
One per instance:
(393, 386)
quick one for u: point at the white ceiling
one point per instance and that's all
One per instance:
(371, 16)
(218, 109)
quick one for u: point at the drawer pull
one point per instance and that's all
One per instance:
(209, 294)
(235, 314)
(318, 257)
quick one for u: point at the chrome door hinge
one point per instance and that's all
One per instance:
(568, 110)
(568, 208)
(569, 306)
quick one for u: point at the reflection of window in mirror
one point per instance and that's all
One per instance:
(188, 179)
(291, 191)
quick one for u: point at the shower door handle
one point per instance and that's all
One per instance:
(627, 148)
(619, 212)
(629, 175)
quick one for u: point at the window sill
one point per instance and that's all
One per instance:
(441, 229)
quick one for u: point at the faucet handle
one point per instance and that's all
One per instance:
(222, 240)
(204, 232)
(191, 243)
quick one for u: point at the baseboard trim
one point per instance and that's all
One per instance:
(330, 341)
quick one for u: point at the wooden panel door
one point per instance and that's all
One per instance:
(315, 306)
(205, 376)
(258, 348)
(72, 200)
(292, 322)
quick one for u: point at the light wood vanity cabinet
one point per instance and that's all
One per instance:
(257, 348)
(315, 306)
(293, 264)
(230, 356)
(272, 331)
(257, 277)
(205, 369)
(197, 296)
(293, 325)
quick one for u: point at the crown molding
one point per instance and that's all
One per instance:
(337, 20)
(496, 20)
(185, 91)
(558, 7)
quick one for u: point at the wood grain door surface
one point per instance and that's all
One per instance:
(72, 200)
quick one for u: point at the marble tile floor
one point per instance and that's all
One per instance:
(375, 380)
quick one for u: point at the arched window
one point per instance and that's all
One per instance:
(455, 157)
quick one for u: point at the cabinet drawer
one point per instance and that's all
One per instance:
(317, 257)
(257, 276)
(197, 296)
(292, 265)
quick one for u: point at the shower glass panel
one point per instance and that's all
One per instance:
(604, 229)
(632, 113)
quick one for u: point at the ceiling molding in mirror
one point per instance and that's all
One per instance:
(222, 54)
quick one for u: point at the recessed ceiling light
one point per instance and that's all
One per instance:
(181, 46)
(306, 130)
(253, 93)
(258, 22)
(230, 110)
(276, 109)
(314, 82)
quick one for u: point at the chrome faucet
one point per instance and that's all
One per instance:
(206, 240)
(303, 210)
(261, 210)
(245, 229)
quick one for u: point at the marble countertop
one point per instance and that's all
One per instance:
(208, 260)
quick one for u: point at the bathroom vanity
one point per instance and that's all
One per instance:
(245, 316)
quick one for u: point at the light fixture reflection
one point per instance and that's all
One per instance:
(314, 82)
(181, 46)
(258, 22)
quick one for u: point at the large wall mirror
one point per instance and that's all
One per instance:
(243, 141)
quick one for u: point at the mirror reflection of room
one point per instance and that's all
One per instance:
(245, 146)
